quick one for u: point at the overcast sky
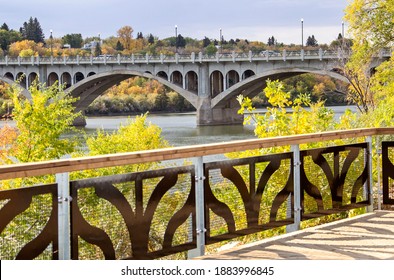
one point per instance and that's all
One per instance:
(243, 19)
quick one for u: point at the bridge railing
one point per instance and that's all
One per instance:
(152, 204)
(192, 57)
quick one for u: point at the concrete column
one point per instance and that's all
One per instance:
(226, 114)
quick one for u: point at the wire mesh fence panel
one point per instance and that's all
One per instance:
(334, 179)
(142, 215)
(29, 223)
(246, 196)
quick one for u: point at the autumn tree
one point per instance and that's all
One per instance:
(125, 35)
(41, 123)
(371, 25)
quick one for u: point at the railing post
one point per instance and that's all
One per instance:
(378, 170)
(200, 210)
(302, 55)
(63, 186)
(370, 179)
(297, 189)
(284, 55)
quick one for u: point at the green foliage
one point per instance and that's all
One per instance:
(32, 30)
(74, 40)
(8, 37)
(41, 123)
(286, 117)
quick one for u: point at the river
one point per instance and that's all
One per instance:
(181, 129)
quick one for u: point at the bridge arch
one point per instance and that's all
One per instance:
(91, 74)
(66, 80)
(191, 82)
(252, 85)
(216, 83)
(162, 74)
(177, 78)
(52, 78)
(79, 76)
(247, 74)
(21, 78)
(11, 82)
(90, 88)
(33, 76)
(232, 78)
(9, 75)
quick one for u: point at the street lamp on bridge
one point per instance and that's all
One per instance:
(51, 41)
(302, 33)
(220, 40)
(176, 38)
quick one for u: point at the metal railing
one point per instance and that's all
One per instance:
(182, 209)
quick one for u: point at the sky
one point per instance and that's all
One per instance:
(255, 20)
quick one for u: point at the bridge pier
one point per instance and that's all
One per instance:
(80, 121)
(227, 115)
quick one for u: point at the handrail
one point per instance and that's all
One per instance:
(142, 58)
(67, 165)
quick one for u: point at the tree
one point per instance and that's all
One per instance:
(97, 49)
(41, 123)
(371, 25)
(4, 27)
(125, 35)
(311, 41)
(119, 47)
(272, 41)
(32, 30)
(8, 37)
(151, 39)
(206, 42)
(74, 40)
(181, 42)
(139, 35)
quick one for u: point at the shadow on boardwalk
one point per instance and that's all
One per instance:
(367, 237)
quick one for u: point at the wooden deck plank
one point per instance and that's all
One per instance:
(367, 237)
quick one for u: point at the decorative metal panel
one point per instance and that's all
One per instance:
(248, 195)
(28, 223)
(334, 179)
(142, 215)
(388, 172)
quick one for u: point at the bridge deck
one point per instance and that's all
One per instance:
(367, 237)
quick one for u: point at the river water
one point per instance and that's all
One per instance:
(181, 129)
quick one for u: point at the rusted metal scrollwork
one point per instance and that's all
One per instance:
(249, 182)
(388, 173)
(136, 207)
(332, 166)
(30, 214)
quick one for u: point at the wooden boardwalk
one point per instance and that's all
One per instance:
(367, 237)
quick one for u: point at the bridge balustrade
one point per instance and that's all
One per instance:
(187, 199)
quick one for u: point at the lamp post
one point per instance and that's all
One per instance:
(302, 33)
(343, 30)
(220, 40)
(176, 39)
(51, 39)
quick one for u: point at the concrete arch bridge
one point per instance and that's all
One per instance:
(209, 83)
